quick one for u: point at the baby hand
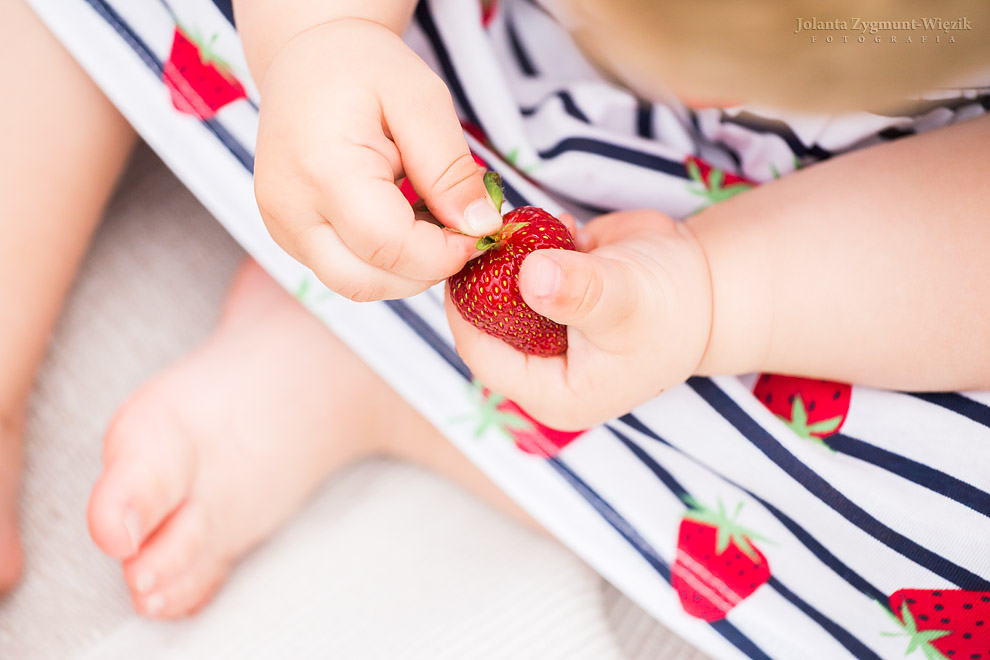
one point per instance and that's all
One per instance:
(637, 301)
(347, 109)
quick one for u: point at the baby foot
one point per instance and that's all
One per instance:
(11, 556)
(209, 458)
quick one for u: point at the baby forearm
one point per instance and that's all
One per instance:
(266, 25)
(872, 268)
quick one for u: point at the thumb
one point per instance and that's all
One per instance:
(437, 161)
(591, 293)
(459, 199)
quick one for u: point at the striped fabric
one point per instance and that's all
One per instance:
(827, 534)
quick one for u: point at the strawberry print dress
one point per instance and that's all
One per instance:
(758, 517)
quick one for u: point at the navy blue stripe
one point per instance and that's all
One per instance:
(665, 477)
(570, 107)
(828, 494)
(515, 44)
(841, 635)
(514, 197)
(616, 152)
(147, 55)
(644, 120)
(778, 128)
(923, 475)
(234, 146)
(110, 15)
(226, 8)
(613, 517)
(893, 133)
(429, 27)
(430, 336)
(699, 137)
(171, 12)
(855, 580)
(958, 403)
(737, 639)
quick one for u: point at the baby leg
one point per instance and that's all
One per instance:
(212, 456)
(63, 147)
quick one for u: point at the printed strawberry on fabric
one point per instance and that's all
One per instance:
(714, 184)
(813, 408)
(199, 81)
(496, 411)
(717, 565)
(944, 624)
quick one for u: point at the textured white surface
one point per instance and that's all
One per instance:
(386, 561)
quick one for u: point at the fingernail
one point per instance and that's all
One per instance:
(155, 604)
(145, 582)
(132, 523)
(547, 276)
(482, 218)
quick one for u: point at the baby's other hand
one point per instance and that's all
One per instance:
(347, 109)
(637, 300)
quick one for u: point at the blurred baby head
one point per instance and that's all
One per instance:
(801, 54)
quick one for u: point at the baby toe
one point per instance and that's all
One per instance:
(170, 552)
(187, 594)
(149, 469)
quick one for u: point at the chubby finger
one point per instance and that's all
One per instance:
(376, 222)
(318, 247)
(568, 221)
(591, 293)
(614, 227)
(435, 156)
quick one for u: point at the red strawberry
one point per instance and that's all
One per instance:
(948, 624)
(529, 435)
(486, 290)
(716, 184)
(717, 565)
(198, 80)
(814, 409)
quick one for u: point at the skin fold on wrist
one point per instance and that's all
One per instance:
(742, 306)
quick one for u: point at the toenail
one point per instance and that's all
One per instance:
(155, 604)
(145, 582)
(132, 523)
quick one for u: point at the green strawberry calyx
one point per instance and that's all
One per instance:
(917, 639)
(489, 414)
(729, 531)
(493, 183)
(799, 422)
(713, 190)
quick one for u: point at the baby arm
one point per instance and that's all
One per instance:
(871, 268)
(346, 110)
